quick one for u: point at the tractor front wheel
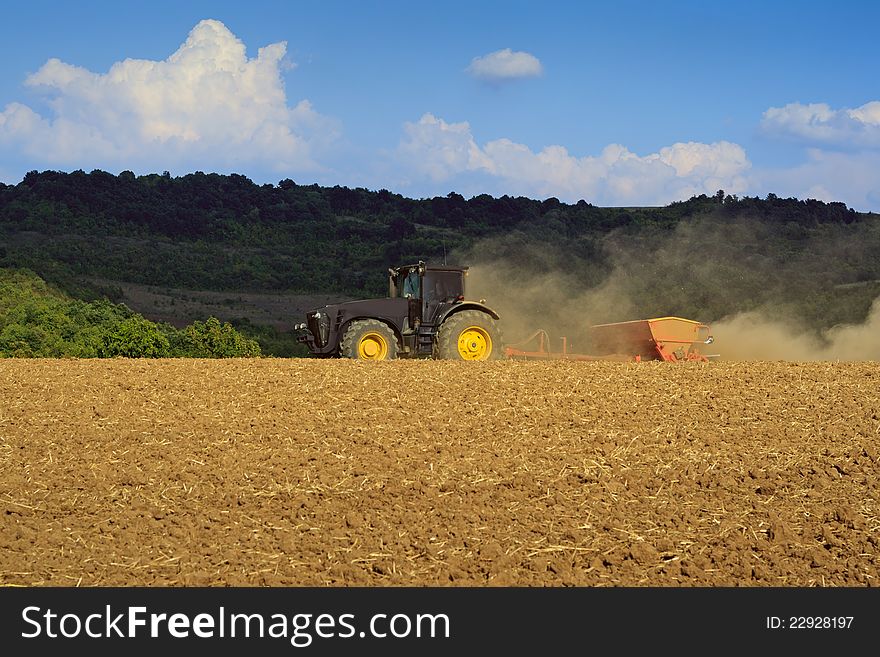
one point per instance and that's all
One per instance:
(368, 339)
(469, 335)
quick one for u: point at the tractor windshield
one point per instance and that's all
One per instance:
(442, 286)
(411, 288)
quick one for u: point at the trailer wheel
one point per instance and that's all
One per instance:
(469, 335)
(368, 339)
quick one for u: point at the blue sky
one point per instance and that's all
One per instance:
(624, 103)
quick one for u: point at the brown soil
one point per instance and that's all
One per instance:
(340, 473)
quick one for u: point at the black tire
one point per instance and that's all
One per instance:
(368, 339)
(469, 335)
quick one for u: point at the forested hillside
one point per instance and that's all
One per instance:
(37, 320)
(709, 256)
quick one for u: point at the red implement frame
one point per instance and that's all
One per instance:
(669, 339)
(539, 343)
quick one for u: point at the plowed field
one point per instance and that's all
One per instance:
(339, 473)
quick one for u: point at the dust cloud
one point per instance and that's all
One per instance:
(754, 336)
(553, 302)
(750, 286)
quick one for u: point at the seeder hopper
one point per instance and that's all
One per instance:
(668, 339)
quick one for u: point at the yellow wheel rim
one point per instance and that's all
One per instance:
(373, 346)
(474, 343)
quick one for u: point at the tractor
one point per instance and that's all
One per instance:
(425, 315)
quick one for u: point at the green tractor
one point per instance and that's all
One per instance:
(425, 315)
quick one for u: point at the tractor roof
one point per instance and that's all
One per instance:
(430, 267)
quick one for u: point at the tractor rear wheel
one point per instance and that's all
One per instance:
(368, 339)
(469, 335)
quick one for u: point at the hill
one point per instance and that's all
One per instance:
(37, 320)
(164, 244)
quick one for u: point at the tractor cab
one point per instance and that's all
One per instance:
(429, 289)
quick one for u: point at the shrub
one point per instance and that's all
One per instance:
(213, 339)
(136, 337)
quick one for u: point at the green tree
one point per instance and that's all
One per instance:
(213, 339)
(136, 337)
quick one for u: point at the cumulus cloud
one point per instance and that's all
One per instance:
(441, 151)
(852, 178)
(505, 64)
(207, 106)
(842, 152)
(818, 123)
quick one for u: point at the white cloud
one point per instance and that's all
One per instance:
(505, 64)
(442, 151)
(817, 123)
(842, 161)
(207, 106)
(850, 178)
